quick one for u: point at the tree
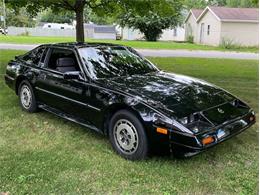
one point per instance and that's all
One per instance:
(255, 3)
(151, 17)
(77, 6)
(60, 17)
(242, 3)
(188, 4)
(199, 4)
(99, 19)
(19, 18)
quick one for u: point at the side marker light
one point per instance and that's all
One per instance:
(161, 130)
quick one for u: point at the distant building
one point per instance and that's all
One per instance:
(191, 23)
(175, 34)
(57, 26)
(91, 31)
(95, 31)
(213, 25)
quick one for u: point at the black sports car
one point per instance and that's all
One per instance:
(115, 91)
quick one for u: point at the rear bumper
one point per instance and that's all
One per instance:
(194, 145)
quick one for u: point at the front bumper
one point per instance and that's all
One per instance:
(190, 145)
(10, 81)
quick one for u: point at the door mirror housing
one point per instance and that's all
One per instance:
(72, 75)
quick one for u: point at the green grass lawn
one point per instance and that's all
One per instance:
(135, 44)
(43, 154)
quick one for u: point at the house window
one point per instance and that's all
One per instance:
(175, 32)
(208, 30)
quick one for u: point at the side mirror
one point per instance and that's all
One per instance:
(72, 75)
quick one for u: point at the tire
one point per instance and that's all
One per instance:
(26, 97)
(127, 136)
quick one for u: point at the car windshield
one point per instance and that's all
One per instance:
(114, 61)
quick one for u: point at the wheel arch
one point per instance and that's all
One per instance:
(18, 81)
(112, 109)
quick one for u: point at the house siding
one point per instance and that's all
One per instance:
(168, 34)
(213, 38)
(192, 30)
(241, 33)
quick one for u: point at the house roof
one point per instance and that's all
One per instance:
(227, 14)
(195, 13)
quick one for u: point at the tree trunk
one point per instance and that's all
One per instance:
(80, 25)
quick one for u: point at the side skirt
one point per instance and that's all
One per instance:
(69, 117)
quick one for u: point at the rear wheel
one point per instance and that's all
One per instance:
(26, 97)
(127, 136)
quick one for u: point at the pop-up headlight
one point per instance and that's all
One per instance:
(196, 123)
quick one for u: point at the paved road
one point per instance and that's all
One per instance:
(198, 54)
(164, 53)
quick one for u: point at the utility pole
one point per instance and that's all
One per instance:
(4, 14)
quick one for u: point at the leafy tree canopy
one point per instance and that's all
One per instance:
(91, 16)
(242, 3)
(76, 6)
(188, 4)
(60, 17)
(151, 17)
(18, 17)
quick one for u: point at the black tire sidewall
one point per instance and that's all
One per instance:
(33, 106)
(142, 150)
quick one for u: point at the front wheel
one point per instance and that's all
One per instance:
(26, 97)
(127, 136)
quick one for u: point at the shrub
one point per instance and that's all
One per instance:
(190, 39)
(227, 43)
(26, 33)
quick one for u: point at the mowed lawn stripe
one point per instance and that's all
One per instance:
(42, 153)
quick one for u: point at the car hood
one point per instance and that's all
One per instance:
(172, 94)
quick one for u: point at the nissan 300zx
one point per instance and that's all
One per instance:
(115, 91)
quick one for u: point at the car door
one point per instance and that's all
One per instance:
(68, 96)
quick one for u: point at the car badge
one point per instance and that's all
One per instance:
(220, 111)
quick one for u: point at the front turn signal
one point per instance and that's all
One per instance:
(207, 140)
(161, 130)
(252, 118)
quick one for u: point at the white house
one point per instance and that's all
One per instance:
(191, 23)
(217, 24)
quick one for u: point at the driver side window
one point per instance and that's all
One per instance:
(62, 60)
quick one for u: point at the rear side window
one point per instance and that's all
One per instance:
(33, 57)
